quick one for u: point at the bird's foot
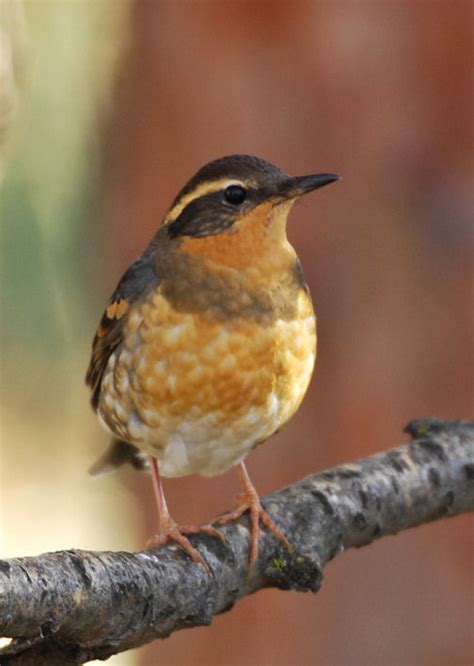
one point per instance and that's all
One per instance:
(250, 501)
(171, 531)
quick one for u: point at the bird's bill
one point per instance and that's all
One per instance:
(298, 185)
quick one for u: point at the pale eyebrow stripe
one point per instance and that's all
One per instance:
(201, 190)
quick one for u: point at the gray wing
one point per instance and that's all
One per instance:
(137, 281)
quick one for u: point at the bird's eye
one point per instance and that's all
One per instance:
(234, 194)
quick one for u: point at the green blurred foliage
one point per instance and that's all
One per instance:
(49, 204)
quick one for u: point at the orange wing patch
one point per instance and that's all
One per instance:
(117, 309)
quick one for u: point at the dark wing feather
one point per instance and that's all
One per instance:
(138, 280)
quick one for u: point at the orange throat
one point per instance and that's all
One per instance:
(259, 237)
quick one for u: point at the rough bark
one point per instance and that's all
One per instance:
(73, 606)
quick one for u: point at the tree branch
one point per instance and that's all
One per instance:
(73, 606)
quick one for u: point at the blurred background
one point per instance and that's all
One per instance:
(107, 108)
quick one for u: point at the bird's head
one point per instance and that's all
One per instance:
(225, 192)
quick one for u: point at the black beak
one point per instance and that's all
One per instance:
(298, 185)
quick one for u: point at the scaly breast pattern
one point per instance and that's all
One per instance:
(198, 392)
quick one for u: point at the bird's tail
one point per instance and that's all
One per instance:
(117, 454)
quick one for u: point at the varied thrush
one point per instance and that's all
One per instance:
(208, 343)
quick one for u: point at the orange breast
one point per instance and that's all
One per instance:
(199, 391)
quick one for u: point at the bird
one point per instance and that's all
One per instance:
(208, 343)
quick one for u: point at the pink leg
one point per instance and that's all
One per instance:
(158, 488)
(250, 501)
(168, 530)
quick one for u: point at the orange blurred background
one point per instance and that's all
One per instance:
(120, 104)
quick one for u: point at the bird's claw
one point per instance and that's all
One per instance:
(173, 532)
(249, 501)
